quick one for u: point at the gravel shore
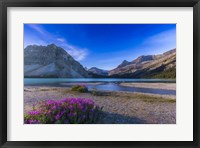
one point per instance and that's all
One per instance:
(166, 86)
(118, 107)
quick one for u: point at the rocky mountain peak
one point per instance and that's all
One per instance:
(98, 71)
(143, 58)
(51, 60)
(52, 46)
(169, 52)
(124, 63)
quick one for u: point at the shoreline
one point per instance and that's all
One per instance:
(166, 86)
(147, 88)
(118, 107)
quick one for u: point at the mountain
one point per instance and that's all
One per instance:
(97, 71)
(51, 61)
(143, 58)
(148, 66)
(124, 63)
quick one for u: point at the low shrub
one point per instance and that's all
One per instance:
(94, 92)
(66, 111)
(79, 88)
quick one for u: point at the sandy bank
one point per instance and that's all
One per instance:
(167, 86)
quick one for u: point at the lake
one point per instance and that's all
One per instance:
(108, 84)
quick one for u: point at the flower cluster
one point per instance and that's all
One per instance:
(70, 110)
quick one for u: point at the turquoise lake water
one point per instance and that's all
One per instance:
(107, 84)
(42, 81)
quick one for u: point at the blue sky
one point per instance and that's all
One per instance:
(103, 45)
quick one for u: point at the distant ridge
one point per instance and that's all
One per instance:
(52, 61)
(148, 66)
(98, 71)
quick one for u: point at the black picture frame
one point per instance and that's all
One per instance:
(4, 4)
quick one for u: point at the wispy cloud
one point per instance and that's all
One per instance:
(61, 39)
(158, 43)
(37, 28)
(46, 38)
(77, 53)
(163, 37)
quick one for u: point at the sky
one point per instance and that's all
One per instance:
(104, 46)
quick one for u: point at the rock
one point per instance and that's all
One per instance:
(51, 61)
(124, 63)
(98, 71)
(162, 65)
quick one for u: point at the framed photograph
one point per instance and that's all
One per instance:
(100, 73)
